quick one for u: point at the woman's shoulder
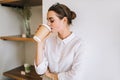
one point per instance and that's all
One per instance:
(78, 41)
(77, 38)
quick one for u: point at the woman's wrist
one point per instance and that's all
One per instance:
(53, 76)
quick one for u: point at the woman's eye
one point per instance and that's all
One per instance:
(51, 21)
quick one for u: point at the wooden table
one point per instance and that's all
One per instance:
(16, 74)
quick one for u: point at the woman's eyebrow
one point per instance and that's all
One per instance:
(49, 18)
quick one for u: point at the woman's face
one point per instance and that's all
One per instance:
(54, 22)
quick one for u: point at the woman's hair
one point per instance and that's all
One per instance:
(63, 11)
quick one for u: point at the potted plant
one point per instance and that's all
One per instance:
(25, 12)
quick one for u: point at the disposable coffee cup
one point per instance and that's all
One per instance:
(42, 32)
(27, 67)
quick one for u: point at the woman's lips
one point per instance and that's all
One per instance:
(51, 28)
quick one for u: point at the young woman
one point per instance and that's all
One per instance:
(59, 57)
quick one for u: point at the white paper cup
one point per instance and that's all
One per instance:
(42, 32)
(27, 67)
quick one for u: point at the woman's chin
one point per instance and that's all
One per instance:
(52, 30)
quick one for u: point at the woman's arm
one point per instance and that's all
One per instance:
(53, 76)
(40, 60)
(39, 53)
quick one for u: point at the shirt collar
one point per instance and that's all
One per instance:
(66, 40)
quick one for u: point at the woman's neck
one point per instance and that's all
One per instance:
(64, 34)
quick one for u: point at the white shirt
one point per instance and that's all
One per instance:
(62, 57)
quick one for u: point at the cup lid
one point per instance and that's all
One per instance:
(36, 39)
(47, 26)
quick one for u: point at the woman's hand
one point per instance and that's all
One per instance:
(51, 75)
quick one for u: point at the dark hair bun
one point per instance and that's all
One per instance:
(63, 11)
(73, 15)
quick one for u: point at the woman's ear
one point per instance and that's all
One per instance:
(65, 19)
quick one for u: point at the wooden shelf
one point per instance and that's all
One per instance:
(20, 3)
(15, 74)
(16, 38)
(8, 1)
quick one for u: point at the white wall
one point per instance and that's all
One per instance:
(11, 52)
(98, 24)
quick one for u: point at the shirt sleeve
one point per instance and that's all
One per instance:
(41, 68)
(74, 73)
